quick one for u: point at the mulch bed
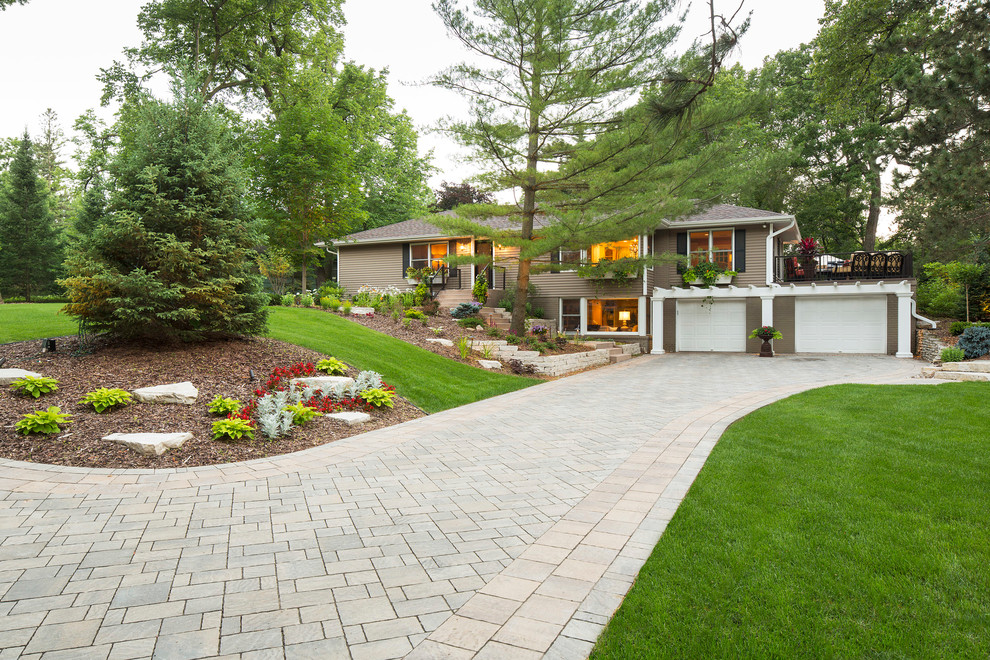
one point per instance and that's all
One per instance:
(417, 333)
(214, 368)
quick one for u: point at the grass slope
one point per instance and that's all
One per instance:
(430, 381)
(844, 522)
(21, 321)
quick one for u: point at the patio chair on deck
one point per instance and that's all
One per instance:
(860, 265)
(895, 264)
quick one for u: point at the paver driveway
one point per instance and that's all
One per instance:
(507, 528)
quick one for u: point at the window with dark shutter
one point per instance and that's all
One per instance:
(405, 258)
(682, 248)
(740, 251)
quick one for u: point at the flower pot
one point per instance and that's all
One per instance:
(766, 350)
(412, 280)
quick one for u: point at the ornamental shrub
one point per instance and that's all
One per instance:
(415, 314)
(957, 327)
(306, 300)
(332, 366)
(224, 406)
(173, 258)
(233, 428)
(952, 354)
(975, 342)
(465, 310)
(470, 322)
(43, 421)
(35, 385)
(104, 399)
(288, 300)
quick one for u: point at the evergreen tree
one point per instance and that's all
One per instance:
(171, 259)
(28, 237)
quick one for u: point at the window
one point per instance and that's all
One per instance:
(572, 257)
(570, 315)
(614, 250)
(422, 255)
(620, 315)
(714, 245)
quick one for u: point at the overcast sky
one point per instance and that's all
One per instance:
(51, 51)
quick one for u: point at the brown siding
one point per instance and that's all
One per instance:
(754, 319)
(892, 324)
(375, 265)
(783, 320)
(670, 325)
(756, 256)
(665, 241)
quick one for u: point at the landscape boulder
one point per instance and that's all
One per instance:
(149, 444)
(8, 376)
(184, 393)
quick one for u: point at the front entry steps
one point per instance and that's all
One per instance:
(970, 371)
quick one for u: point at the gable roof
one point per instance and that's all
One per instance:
(421, 229)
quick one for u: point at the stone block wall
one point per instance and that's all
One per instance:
(929, 346)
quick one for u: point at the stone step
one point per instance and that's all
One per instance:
(981, 366)
(524, 355)
(614, 351)
(600, 344)
(621, 357)
(961, 375)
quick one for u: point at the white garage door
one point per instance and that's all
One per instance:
(840, 325)
(720, 326)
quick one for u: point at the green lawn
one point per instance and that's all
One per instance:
(20, 321)
(844, 522)
(430, 381)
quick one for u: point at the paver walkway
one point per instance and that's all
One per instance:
(509, 528)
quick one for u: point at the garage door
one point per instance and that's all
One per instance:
(720, 326)
(840, 325)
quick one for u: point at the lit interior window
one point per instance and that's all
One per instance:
(614, 250)
(620, 315)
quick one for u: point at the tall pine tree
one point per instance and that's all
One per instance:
(30, 243)
(171, 260)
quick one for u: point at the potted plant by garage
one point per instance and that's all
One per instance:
(766, 333)
(809, 249)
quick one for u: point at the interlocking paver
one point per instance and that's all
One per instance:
(505, 528)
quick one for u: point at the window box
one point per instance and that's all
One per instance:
(722, 279)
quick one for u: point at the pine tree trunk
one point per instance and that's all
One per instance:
(304, 290)
(518, 323)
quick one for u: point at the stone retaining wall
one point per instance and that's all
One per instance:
(929, 346)
(552, 365)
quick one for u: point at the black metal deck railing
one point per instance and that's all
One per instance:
(838, 266)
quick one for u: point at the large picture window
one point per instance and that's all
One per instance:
(711, 245)
(422, 255)
(620, 315)
(614, 250)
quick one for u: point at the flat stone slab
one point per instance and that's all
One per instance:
(351, 418)
(362, 311)
(8, 376)
(490, 364)
(442, 342)
(149, 444)
(184, 393)
(323, 382)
